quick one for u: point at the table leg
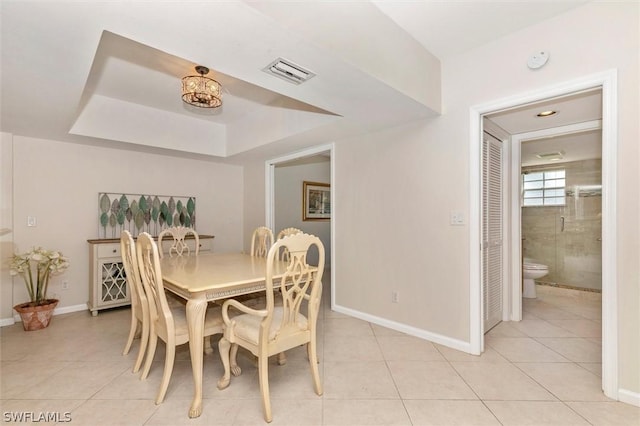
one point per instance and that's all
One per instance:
(196, 309)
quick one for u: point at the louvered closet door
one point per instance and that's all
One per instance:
(492, 231)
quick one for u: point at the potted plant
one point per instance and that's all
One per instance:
(36, 267)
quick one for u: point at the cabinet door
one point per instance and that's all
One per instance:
(113, 282)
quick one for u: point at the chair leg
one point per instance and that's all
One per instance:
(313, 363)
(282, 358)
(224, 347)
(153, 342)
(170, 355)
(132, 333)
(207, 345)
(263, 374)
(235, 368)
(144, 340)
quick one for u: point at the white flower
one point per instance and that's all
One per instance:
(36, 279)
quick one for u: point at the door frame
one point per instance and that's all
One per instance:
(606, 80)
(270, 195)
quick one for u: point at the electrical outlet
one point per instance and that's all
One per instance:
(65, 285)
(31, 221)
(395, 297)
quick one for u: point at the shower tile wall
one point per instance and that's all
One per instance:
(574, 256)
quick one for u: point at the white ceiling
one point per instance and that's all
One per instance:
(108, 73)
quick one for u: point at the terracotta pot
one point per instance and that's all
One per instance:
(36, 317)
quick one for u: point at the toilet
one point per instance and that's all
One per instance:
(532, 271)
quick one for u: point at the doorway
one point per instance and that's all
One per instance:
(607, 82)
(560, 226)
(299, 157)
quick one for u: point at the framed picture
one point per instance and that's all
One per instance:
(316, 201)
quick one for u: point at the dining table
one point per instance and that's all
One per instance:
(205, 278)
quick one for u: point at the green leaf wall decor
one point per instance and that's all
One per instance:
(143, 213)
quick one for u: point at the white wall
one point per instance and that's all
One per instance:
(58, 183)
(498, 70)
(396, 188)
(288, 200)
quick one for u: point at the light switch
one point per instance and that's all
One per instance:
(457, 218)
(31, 221)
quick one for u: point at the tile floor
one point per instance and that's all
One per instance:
(544, 370)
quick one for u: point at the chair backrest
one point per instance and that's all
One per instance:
(284, 253)
(261, 241)
(149, 264)
(139, 301)
(179, 246)
(303, 282)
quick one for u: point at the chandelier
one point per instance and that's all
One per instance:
(201, 91)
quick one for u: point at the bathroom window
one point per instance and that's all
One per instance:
(543, 188)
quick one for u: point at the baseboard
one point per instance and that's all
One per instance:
(57, 311)
(7, 321)
(412, 331)
(629, 397)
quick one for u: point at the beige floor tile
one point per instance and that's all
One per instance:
(524, 350)
(32, 412)
(501, 381)
(588, 312)
(575, 349)
(547, 312)
(329, 314)
(78, 380)
(294, 412)
(19, 376)
(449, 413)
(594, 367)
(292, 380)
(351, 348)
(489, 355)
(568, 382)
(96, 412)
(535, 413)
(364, 412)
(358, 380)
(540, 328)
(429, 380)
(529, 315)
(580, 327)
(214, 412)
(506, 329)
(379, 330)
(89, 377)
(607, 413)
(347, 327)
(407, 348)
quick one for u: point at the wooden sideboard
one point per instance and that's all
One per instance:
(108, 282)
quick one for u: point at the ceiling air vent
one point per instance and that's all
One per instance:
(557, 155)
(288, 71)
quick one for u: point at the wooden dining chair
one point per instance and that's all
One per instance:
(178, 246)
(274, 329)
(261, 241)
(139, 303)
(284, 253)
(167, 322)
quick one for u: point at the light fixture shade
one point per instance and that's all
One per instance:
(201, 91)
